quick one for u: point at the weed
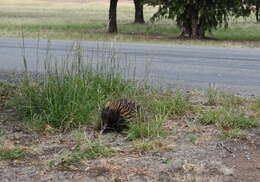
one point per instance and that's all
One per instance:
(229, 100)
(142, 129)
(233, 133)
(236, 118)
(256, 105)
(6, 90)
(212, 95)
(192, 138)
(78, 136)
(11, 154)
(143, 146)
(228, 117)
(208, 117)
(170, 105)
(89, 150)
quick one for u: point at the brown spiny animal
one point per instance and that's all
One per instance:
(116, 114)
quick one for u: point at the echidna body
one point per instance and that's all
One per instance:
(116, 114)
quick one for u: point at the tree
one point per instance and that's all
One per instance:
(139, 13)
(255, 5)
(195, 17)
(112, 21)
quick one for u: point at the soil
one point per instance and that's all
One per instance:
(178, 159)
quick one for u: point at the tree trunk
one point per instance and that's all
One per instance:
(194, 24)
(112, 24)
(139, 12)
(191, 24)
(257, 12)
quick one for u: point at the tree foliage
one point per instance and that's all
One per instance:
(195, 17)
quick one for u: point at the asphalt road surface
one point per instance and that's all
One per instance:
(234, 69)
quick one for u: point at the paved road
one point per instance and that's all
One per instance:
(196, 66)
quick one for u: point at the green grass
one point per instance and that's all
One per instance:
(227, 100)
(247, 31)
(233, 133)
(228, 113)
(6, 90)
(192, 138)
(88, 21)
(71, 98)
(212, 95)
(11, 154)
(143, 129)
(171, 105)
(256, 105)
(228, 117)
(71, 95)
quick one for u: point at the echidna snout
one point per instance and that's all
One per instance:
(109, 117)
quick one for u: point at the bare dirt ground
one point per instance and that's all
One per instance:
(177, 159)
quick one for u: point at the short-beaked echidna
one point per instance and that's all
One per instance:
(116, 114)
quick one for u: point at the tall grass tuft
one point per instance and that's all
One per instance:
(71, 93)
(212, 94)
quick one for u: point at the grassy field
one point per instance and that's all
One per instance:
(88, 21)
